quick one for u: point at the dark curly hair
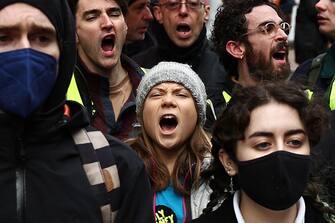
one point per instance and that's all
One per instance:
(230, 24)
(233, 122)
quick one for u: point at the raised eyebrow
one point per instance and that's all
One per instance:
(294, 132)
(260, 134)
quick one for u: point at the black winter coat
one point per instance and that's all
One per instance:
(42, 178)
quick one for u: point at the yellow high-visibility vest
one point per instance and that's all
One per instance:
(73, 92)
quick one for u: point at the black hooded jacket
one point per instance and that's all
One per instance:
(41, 174)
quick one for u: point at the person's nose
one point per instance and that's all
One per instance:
(320, 6)
(280, 145)
(168, 101)
(147, 14)
(183, 10)
(23, 42)
(106, 22)
(281, 35)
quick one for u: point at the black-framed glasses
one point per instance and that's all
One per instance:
(270, 28)
(190, 4)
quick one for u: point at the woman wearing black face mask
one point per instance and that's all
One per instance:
(262, 149)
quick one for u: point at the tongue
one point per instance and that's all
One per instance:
(107, 47)
(168, 127)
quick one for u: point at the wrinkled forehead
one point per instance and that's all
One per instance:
(89, 5)
(261, 14)
(206, 2)
(21, 13)
(169, 84)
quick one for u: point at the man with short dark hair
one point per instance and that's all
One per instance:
(138, 18)
(139, 36)
(106, 79)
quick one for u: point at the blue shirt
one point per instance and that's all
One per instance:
(169, 206)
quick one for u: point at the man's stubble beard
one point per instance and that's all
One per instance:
(261, 70)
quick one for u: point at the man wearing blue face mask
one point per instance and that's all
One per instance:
(53, 166)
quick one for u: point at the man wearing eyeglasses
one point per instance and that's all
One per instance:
(181, 37)
(251, 40)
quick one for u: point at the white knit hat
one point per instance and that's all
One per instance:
(178, 73)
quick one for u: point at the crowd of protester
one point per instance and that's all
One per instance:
(122, 111)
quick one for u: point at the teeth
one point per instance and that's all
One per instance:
(168, 116)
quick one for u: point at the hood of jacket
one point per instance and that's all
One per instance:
(61, 17)
(50, 112)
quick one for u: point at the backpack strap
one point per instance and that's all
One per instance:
(314, 70)
(100, 168)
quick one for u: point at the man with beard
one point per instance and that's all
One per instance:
(251, 40)
(181, 35)
(54, 167)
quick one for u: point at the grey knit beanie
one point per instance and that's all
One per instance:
(177, 73)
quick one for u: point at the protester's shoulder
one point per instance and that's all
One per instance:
(211, 58)
(225, 213)
(302, 70)
(132, 66)
(313, 214)
(78, 115)
(123, 153)
(147, 58)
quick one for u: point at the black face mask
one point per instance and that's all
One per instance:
(275, 181)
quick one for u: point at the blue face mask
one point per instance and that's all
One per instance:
(26, 79)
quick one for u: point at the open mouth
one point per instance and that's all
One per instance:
(183, 28)
(280, 52)
(168, 122)
(107, 43)
(281, 55)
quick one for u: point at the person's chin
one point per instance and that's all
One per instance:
(183, 43)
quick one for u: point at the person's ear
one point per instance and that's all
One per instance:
(77, 39)
(207, 9)
(236, 49)
(235, 79)
(228, 164)
(158, 14)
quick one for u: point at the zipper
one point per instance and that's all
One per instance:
(20, 184)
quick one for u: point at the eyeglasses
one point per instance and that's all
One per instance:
(174, 5)
(270, 28)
